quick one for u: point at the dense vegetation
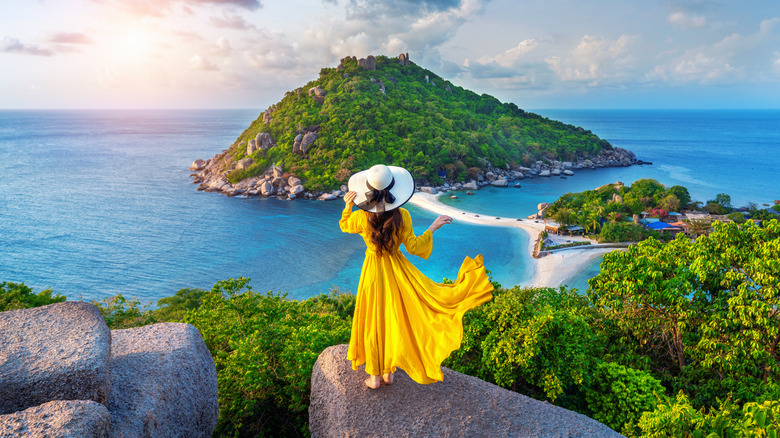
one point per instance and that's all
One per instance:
(607, 213)
(672, 340)
(679, 339)
(420, 122)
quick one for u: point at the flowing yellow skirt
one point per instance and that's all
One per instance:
(404, 319)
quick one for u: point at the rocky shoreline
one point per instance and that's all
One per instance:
(276, 183)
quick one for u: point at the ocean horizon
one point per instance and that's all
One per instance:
(100, 202)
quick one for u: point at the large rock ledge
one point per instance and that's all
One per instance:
(463, 406)
(64, 374)
(60, 418)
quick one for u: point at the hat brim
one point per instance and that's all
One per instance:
(403, 189)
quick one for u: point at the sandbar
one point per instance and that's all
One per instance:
(549, 271)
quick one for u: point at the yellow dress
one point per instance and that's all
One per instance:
(402, 318)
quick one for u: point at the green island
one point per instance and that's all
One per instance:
(391, 111)
(672, 339)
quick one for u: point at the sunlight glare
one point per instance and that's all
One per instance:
(135, 42)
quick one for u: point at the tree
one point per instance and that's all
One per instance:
(723, 200)
(704, 311)
(645, 291)
(737, 217)
(565, 216)
(670, 203)
(682, 195)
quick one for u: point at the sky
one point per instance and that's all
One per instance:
(248, 53)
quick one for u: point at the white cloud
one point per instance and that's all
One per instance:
(222, 47)
(388, 27)
(511, 56)
(198, 62)
(683, 20)
(594, 60)
(735, 57)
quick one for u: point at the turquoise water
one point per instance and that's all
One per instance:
(94, 203)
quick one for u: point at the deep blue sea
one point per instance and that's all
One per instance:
(95, 203)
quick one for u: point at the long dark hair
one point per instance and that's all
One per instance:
(384, 229)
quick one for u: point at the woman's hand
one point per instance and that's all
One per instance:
(349, 198)
(439, 222)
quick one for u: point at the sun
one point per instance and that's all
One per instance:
(135, 42)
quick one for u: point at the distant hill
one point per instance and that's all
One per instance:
(391, 111)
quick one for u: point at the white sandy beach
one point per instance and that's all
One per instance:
(549, 271)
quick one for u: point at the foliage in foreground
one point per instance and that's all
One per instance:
(264, 347)
(15, 296)
(677, 339)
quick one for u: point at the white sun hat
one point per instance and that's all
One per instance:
(382, 188)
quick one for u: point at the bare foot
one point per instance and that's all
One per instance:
(373, 382)
(388, 378)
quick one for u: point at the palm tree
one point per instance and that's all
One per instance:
(613, 216)
(565, 216)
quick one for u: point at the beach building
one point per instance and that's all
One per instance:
(571, 230)
(662, 227)
(673, 216)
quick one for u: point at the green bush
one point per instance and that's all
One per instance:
(19, 296)
(264, 347)
(534, 341)
(679, 418)
(617, 396)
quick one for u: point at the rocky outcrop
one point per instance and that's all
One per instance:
(264, 141)
(317, 91)
(368, 63)
(307, 141)
(61, 418)
(64, 374)
(304, 140)
(54, 352)
(471, 185)
(461, 405)
(343, 62)
(244, 163)
(380, 84)
(500, 182)
(318, 94)
(268, 113)
(164, 382)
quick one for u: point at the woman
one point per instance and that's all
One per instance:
(402, 318)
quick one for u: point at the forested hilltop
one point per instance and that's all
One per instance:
(391, 111)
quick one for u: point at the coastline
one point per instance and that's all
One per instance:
(548, 271)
